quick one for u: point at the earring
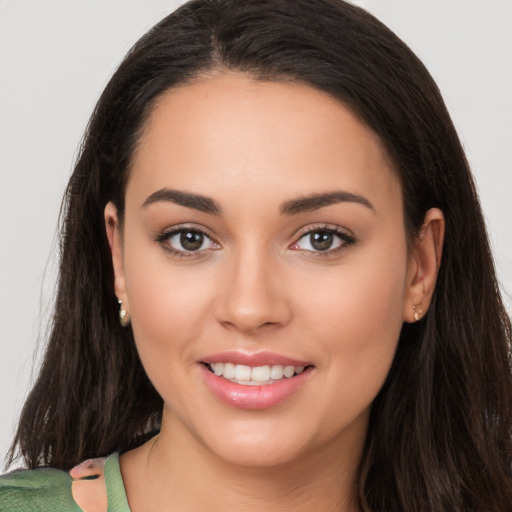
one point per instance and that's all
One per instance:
(418, 312)
(124, 316)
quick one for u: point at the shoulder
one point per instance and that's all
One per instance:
(38, 490)
(92, 486)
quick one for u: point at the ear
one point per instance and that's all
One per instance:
(114, 236)
(423, 266)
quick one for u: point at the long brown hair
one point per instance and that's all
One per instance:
(440, 430)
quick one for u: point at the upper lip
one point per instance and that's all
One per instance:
(262, 358)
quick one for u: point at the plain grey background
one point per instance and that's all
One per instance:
(57, 55)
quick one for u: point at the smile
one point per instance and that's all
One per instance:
(254, 381)
(254, 375)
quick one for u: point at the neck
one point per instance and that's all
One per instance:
(175, 472)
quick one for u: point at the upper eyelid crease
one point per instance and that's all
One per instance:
(306, 230)
(166, 233)
(333, 228)
(346, 237)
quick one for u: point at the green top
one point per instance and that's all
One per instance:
(54, 490)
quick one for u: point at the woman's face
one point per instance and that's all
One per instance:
(263, 229)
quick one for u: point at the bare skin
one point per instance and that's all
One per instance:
(258, 280)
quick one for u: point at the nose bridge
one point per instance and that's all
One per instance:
(251, 296)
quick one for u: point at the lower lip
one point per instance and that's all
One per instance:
(253, 397)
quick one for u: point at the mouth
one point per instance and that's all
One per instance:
(254, 381)
(257, 385)
(254, 375)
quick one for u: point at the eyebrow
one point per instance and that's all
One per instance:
(317, 201)
(195, 201)
(291, 207)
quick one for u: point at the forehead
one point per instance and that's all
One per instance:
(230, 135)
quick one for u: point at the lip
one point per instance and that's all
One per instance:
(254, 397)
(254, 359)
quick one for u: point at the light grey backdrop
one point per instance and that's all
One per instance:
(57, 55)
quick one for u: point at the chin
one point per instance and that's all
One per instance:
(259, 454)
(273, 442)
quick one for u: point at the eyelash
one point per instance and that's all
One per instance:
(164, 237)
(346, 240)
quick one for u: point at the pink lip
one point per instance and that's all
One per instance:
(253, 397)
(256, 359)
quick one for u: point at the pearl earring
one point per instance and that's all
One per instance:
(418, 312)
(124, 316)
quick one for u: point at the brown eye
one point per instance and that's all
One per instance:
(321, 240)
(184, 241)
(191, 240)
(324, 240)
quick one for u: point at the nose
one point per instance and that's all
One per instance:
(252, 295)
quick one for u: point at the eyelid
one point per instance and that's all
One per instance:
(164, 235)
(346, 236)
(325, 226)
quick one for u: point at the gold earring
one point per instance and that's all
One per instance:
(418, 312)
(124, 316)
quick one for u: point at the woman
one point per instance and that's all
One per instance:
(275, 281)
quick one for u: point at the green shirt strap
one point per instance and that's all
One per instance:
(50, 490)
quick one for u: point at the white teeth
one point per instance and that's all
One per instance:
(229, 371)
(289, 371)
(260, 373)
(277, 372)
(254, 375)
(242, 372)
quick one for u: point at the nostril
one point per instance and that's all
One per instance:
(249, 325)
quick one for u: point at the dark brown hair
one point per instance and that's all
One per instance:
(439, 437)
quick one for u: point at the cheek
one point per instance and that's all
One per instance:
(364, 295)
(167, 305)
(358, 324)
